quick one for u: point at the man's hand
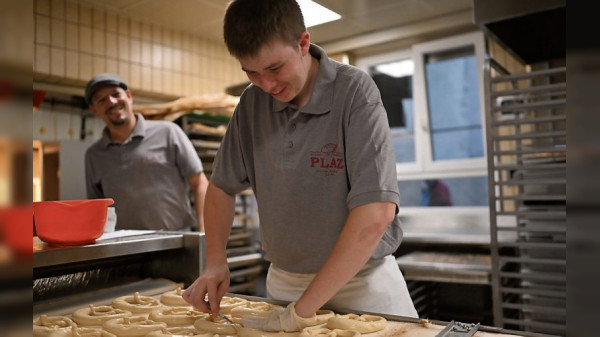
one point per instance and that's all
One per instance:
(280, 320)
(214, 281)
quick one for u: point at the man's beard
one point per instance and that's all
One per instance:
(119, 122)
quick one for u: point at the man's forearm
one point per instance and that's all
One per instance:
(357, 242)
(199, 198)
(219, 209)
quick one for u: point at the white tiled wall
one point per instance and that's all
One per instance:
(73, 41)
(57, 123)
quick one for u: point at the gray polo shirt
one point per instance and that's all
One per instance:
(309, 167)
(146, 176)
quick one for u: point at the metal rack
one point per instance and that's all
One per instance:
(243, 251)
(244, 255)
(446, 263)
(206, 143)
(526, 144)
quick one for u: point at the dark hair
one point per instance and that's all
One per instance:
(250, 24)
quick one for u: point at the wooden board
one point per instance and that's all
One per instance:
(402, 329)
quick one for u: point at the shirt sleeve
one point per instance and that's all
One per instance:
(370, 155)
(229, 172)
(187, 159)
(371, 163)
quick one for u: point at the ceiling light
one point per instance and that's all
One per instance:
(397, 69)
(315, 14)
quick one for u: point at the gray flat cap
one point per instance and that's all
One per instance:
(101, 80)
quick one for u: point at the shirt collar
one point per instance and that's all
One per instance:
(321, 97)
(138, 131)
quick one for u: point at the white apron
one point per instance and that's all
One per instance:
(379, 287)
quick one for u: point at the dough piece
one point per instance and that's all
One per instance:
(228, 303)
(211, 130)
(259, 309)
(363, 323)
(324, 315)
(325, 332)
(90, 332)
(248, 332)
(173, 298)
(216, 324)
(176, 315)
(96, 316)
(179, 331)
(55, 326)
(210, 102)
(136, 303)
(132, 326)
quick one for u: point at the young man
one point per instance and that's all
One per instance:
(310, 136)
(145, 166)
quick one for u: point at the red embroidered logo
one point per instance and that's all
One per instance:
(327, 161)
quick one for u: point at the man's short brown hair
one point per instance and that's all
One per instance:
(250, 24)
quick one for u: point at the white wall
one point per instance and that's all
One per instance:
(72, 171)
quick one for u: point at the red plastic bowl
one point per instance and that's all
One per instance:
(70, 222)
(15, 228)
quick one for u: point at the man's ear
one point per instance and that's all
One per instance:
(304, 42)
(91, 107)
(129, 95)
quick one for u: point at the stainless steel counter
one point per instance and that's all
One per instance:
(446, 267)
(177, 256)
(446, 225)
(116, 244)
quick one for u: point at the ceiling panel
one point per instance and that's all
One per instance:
(360, 17)
(204, 17)
(409, 11)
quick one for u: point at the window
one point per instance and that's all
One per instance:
(434, 97)
(454, 109)
(395, 80)
(455, 192)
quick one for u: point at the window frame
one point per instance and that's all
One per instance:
(400, 55)
(424, 166)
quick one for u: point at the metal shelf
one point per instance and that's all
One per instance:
(560, 87)
(533, 135)
(45, 255)
(446, 267)
(532, 106)
(541, 73)
(531, 120)
(526, 143)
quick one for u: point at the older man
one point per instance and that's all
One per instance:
(145, 166)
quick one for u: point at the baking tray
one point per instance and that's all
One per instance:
(397, 325)
(65, 305)
(155, 287)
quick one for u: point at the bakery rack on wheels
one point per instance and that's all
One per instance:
(244, 255)
(526, 144)
(205, 131)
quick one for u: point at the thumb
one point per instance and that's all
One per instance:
(253, 322)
